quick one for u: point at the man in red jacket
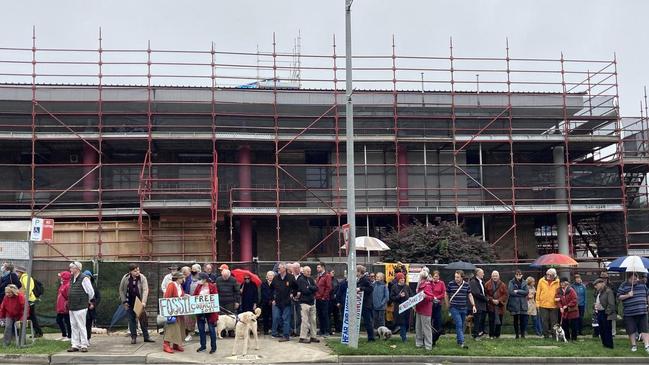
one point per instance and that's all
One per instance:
(11, 310)
(322, 299)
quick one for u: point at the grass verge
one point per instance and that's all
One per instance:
(41, 346)
(504, 347)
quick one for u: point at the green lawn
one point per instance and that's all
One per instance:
(41, 346)
(586, 347)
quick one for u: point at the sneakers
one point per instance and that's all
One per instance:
(634, 348)
(84, 349)
(284, 339)
(212, 351)
(201, 349)
(463, 345)
(188, 338)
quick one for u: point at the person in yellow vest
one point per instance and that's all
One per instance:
(24, 278)
(546, 292)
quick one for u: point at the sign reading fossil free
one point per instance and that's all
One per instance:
(188, 305)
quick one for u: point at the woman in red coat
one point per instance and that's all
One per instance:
(567, 302)
(206, 287)
(11, 310)
(62, 310)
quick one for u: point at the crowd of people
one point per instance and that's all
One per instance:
(295, 301)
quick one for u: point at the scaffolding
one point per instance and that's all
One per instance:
(496, 140)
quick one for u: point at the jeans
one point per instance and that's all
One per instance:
(520, 324)
(494, 329)
(580, 321)
(322, 310)
(538, 326)
(459, 316)
(63, 320)
(379, 318)
(478, 323)
(282, 315)
(405, 323)
(366, 313)
(436, 319)
(605, 329)
(9, 330)
(201, 319)
(132, 324)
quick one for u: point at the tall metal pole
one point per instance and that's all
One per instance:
(351, 202)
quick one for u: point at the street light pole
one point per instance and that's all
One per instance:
(351, 202)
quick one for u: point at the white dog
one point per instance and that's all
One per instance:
(247, 323)
(383, 333)
(559, 334)
(226, 322)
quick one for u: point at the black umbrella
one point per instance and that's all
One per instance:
(460, 265)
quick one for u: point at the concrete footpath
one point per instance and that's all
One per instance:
(116, 349)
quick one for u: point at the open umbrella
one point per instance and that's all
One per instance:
(629, 264)
(367, 243)
(240, 274)
(554, 259)
(460, 265)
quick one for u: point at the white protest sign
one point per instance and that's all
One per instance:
(411, 302)
(344, 336)
(188, 305)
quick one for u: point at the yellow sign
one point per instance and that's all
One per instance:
(389, 271)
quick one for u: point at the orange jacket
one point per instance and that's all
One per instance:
(546, 292)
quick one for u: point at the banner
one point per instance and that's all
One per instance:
(389, 271)
(411, 302)
(344, 336)
(188, 305)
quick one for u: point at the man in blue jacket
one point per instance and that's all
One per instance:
(580, 289)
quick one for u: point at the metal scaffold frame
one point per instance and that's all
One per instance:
(142, 103)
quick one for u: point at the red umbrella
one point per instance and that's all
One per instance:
(240, 274)
(554, 259)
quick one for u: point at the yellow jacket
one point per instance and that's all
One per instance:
(23, 282)
(546, 292)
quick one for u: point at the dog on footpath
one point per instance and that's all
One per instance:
(246, 323)
(226, 322)
(383, 333)
(559, 334)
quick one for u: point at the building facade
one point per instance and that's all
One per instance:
(531, 155)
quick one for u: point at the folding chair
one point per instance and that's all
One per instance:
(18, 330)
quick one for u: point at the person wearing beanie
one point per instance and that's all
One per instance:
(569, 309)
(399, 293)
(62, 311)
(79, 299)
(135, 286)
(205, 286)
(11, 310)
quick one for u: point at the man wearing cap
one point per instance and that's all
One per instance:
(79, 298)
(134, 285)
(24, 279)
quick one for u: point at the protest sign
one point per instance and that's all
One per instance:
(188, 305)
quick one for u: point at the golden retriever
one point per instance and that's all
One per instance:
(247, 322)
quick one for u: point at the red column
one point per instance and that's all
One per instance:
(245, 222)
(89, 160)
(402, 181)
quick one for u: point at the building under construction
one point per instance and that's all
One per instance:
(232, 156)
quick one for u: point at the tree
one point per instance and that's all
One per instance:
(445, 242)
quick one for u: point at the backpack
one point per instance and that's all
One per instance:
(39, 288)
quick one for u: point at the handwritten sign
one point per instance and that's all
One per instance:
(344, 336)
(411, 302)
(194, 304)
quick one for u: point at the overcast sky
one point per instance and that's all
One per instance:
(591, 29)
